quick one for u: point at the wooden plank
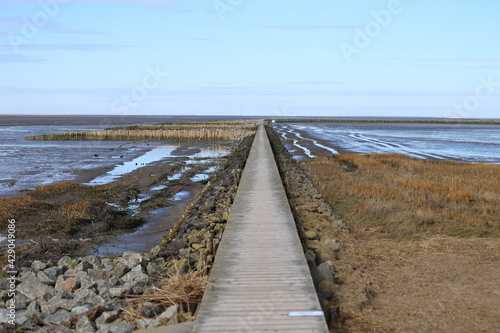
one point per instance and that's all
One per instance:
(260, 273)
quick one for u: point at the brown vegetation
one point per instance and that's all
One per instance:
(51, 214)
(200, 134)
(406, 197)
(183, 289)
(211, 130)
(193, 125)
(402, 269)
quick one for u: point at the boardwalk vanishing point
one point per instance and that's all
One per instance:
(260, 280)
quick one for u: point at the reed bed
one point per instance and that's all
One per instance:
(233, 125)
(406, 197)
(153, 135)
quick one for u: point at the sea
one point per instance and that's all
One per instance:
(476, 143)
(25, 164)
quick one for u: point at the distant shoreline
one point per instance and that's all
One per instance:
(120, 120)
(452, 121)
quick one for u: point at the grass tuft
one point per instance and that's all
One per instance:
(182, 289)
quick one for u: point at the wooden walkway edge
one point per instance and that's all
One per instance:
(260, 278)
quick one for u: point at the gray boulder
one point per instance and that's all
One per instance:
(85, 325)
(61, 316)
(33, 288)
(122, 327)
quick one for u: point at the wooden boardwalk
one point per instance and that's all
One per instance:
(261, 281)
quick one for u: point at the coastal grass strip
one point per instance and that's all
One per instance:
(226, 125)
(405, 197)
(395, 121)
(145, 135)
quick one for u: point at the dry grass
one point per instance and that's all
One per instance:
(210, 130)
(406, 197)
(11, 208)
(183, 289)
(225, 125)
(64, 209)
(198, 134)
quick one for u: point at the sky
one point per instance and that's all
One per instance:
(410, 58)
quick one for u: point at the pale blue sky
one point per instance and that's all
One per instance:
(251, 57)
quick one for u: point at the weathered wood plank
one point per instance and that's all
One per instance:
(260, 273)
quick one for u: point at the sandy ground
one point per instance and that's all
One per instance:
(440, 284)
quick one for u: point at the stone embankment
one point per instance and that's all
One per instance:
(90, 294)
(320, 229)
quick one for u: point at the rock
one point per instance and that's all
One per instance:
(69, 284)
(95, 261)
(120, 290)
(327, 287)
(138, 268)
(176, 319)
(151, 310)
(136, 279)
(67, 262)
(84, 266)
(63, 330)
(97, 300)
(33, 307)
(49, 308)
(311, 234)
(196, 246)
(85, 325)
(38, 265)
(122, 327)
(59, 317)
(103, 288)
(97, 274)
(20, 319)
(87, 282)
(120, 269)
(78, 310)
(53, 272)
(33, 289)
(67, 304)
(106, 317)
(324, 272)
(26, 275)
(84, 295)
(22, 301)
(169, 312)
(151, 268)
(148, 323)
(130, 259)
(44, 278)
(332, 245)
(155, 250)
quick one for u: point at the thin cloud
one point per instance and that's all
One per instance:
(317, 82)
(162, 3)
(17, 58)
(203, 39)
(310, 27)
(65, 47)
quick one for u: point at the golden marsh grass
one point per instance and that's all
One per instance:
(406, 197)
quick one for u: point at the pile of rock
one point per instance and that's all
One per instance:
(87, 294)
(79, 294)
(313, 215)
